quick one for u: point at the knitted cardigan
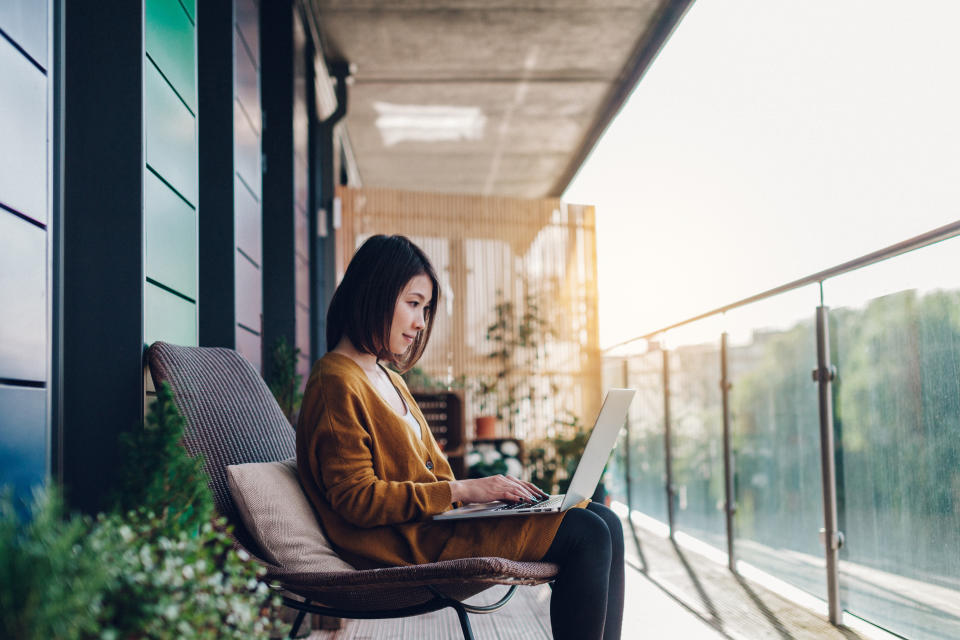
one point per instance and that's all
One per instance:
(375, 485)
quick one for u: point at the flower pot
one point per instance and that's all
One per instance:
(486, 427)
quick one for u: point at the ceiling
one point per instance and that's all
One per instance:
(487, 96)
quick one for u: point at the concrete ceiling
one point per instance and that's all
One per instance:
(487, 96)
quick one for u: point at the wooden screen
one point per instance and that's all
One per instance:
(488, 250)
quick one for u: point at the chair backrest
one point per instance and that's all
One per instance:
(231, 416)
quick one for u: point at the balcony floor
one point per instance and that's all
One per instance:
(671, 592)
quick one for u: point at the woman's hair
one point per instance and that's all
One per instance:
(363, 305)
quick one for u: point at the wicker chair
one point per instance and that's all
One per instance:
(232, 418)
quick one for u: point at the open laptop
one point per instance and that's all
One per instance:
(613, 413)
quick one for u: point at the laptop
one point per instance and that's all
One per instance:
(613, 413)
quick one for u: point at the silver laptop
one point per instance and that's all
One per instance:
(585, 479)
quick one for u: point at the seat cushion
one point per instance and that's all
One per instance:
(278, 515)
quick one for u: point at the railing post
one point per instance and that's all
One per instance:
(668, 466)
(729, 505)
(626, 439)
(830, 536)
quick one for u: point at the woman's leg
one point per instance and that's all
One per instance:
(614, 620)
(583, 549)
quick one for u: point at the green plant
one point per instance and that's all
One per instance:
(552, 462)
(419, 380)
(156, 567)
(157, 476)
(283, 379)
(516, 336)
(51, 586)
(180, 584)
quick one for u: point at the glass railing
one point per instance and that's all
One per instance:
(731, 425)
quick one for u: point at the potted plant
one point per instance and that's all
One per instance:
(516, 339)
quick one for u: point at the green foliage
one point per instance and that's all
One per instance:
(155, 568)
(283, 379)
(157, 476)
(553, 462)
(419, 380)
(516, 336)
(51, 586)
(180, 584)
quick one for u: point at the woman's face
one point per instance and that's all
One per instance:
(409, 316)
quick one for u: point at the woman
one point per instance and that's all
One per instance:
(376, 476)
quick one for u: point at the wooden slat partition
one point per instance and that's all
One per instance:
(483, 248)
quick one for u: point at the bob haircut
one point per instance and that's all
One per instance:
(363, 305)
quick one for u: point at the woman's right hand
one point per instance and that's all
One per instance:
(492, 488)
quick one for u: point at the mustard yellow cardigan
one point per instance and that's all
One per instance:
(375, 485)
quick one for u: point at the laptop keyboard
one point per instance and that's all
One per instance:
(543, 504)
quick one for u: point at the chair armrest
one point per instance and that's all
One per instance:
(464, 571)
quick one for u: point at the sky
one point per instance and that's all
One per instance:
(771, 139)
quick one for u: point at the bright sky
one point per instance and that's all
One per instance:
(769, 140)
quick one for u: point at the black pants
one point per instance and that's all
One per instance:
(587, 600)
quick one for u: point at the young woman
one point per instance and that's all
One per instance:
(375, 474)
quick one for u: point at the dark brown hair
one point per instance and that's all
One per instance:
(362, 307)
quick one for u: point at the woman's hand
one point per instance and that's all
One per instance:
(492, 488)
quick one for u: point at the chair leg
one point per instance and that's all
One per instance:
(464, 621)
(296, 623)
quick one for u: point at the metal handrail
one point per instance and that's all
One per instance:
(945, 232)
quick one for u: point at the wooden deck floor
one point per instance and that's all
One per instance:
(671, 592)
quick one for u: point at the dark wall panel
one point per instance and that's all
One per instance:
(170, 225)
(25, 22)
(23, 134)
(170, 134)
(24, 441)
(23, 300)
(168, 38)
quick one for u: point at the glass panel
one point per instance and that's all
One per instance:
(696, 430)
(615, 476)
(647, 470)
(775, 427)
(895, 332)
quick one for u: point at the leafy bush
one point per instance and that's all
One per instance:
(51, 586)
(155, 568)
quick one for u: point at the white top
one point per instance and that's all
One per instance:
(414, 424)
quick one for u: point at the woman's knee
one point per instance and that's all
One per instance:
(590, 531)
(612, 520)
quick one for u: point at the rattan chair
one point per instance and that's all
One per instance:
(232, 418)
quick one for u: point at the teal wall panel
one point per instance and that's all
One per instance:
(169, 41)
(23, 134)
(249, 346)
(246, 149)
(248, 85)
(23, 445)
(23, 300)
(25, 21)
(170, 227)
(168, 317)
(191, 8)
(249, 232)
(249, 293)
(171, 147)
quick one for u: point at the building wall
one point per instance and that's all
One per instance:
(25, 233)
(301, 180)
(248, 126)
